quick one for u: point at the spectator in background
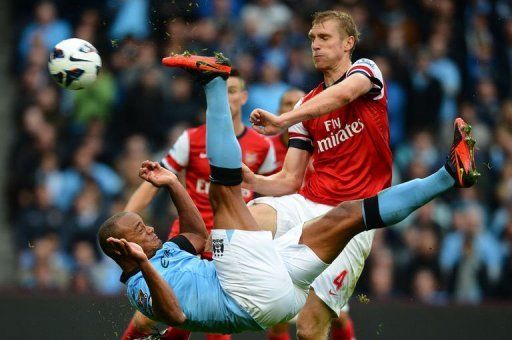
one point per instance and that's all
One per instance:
(299, 71)
(421, 149)
(266, 93)
(276, 52)
(397, 102)
(267, 16)
(177, 36)
(424, 255)
(46, 28)
(88, 210)
(84, 167)
(204, 36)
(425, 288)
(84, 260)
(504, 183)
(381, 275)
(504, 129)
(506, 56)
(38, 218)
(96, 101)
(501, 220)
(505, 288)
(223, 12)
(144, 107)
(180, 106)
(131, 19)
(470, 257)
(447, 72)
(43, 266)
(487, 102)
(136, 150)
(423, 111)
(481, 62)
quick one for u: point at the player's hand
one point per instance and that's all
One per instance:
(249, 178)
(129, 249)
(155, 174)
(265, 122)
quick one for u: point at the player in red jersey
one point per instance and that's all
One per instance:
(342, 125)
(189, 154)
(280, 141)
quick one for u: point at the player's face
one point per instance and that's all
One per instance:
(236, 94)
(289, 100)
(328, 45)
(135, 230)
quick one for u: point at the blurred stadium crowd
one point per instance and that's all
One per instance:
(76, 155)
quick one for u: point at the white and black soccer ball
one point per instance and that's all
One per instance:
(74, 64)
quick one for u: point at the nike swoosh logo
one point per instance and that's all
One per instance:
(330, 292)
(200, 62)
(203, 155)
(77, 59)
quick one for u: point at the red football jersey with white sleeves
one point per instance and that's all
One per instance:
(351, 153)
(189, 153)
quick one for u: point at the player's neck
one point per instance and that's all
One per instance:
(238, 125)
(128, 267)
(336, 72)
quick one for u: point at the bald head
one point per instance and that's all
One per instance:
(289, 99)
(131, 227)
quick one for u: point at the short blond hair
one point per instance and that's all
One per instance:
(345, 21)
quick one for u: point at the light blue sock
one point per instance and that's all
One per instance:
(397, 202)
(222, 147)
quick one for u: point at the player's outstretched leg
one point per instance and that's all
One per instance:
(222, 148)
(328, 234)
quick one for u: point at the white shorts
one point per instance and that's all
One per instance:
(337, 283)
(269, 279)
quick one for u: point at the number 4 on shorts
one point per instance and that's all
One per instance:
(338, 281)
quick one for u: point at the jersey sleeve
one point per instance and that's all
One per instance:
(178, 155)
(140, 297)
(269, 163)
(370, 69)
(299, 137)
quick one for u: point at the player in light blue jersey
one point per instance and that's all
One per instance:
(253, 282)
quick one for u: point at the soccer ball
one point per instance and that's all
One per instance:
(74, 64)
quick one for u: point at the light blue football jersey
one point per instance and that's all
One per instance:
(194, 282)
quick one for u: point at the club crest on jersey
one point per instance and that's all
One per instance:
(338, 133)
(250, 158)
(142, 299)
(218, 247)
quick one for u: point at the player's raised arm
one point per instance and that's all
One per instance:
(175, 160)
(192, 224)
(141, 198)
(165, 305)
(334, 97)
(286, 181)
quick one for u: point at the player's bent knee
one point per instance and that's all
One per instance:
(142, 323)
(348, 212)
(265, 216)
(311, 331)
(222, 195)
(314, 319)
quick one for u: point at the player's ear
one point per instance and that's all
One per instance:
(349, 42)
(245, 96)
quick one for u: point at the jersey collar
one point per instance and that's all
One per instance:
(243, 133)
(126, 275)
(336, 82)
